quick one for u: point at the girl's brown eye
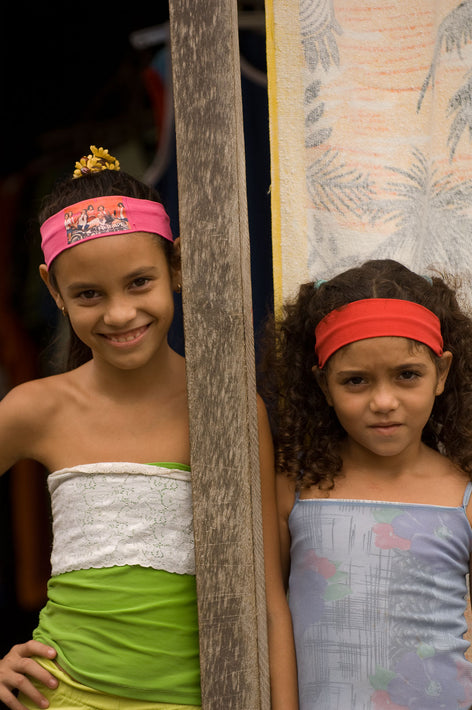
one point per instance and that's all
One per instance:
(354, 380)
(141, 281)
(409, 375)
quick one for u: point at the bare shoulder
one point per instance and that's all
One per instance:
(35, 398)
(20, 403)
(445, 482)
(262, 417)
(286, 491)
(26, 414)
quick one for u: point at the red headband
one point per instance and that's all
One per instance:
(102, 217)
(374, 318)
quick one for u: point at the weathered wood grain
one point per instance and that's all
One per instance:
(220, 354)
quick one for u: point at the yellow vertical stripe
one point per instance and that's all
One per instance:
(274, 155)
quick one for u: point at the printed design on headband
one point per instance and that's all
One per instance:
(93, 217)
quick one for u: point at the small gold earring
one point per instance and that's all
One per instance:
(64, 312)
(179, 288)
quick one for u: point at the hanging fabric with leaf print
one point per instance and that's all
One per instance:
(371, 135)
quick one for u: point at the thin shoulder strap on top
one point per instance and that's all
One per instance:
(467, 493)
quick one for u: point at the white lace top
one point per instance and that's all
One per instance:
(115, 514)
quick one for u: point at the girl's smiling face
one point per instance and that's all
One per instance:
(118, 294)
(383, 390)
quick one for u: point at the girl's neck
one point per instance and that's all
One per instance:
(428, 477)
(411, 461)
(163, 377)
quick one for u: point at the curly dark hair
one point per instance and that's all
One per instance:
(70, 190)
(306, 430)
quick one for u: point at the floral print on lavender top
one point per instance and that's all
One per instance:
(377, 594)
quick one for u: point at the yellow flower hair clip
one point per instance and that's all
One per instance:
(99, 160)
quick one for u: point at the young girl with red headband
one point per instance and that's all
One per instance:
(119, 629)
(370, 387)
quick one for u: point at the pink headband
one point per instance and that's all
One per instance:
(101, 217)
(373, 318)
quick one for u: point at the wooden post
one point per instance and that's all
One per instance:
(220, 354)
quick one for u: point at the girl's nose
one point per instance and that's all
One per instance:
(119, 311)
(383, 399)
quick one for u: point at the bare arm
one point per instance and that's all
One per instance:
(285, 493)
(17, 667)
(21, 417)
(282, 663)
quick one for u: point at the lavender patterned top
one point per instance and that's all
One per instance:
(377, 594)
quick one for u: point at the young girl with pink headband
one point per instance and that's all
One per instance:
(119, 629)
(369, 382)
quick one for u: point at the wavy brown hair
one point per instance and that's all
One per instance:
(306, 430)
(71, 190)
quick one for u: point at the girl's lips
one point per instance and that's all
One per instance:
(130, 336)
(387, 428)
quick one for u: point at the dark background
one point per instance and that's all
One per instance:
(72, 77)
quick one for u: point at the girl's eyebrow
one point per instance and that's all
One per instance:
(342, 374)
(86, 285)
(80, 286)
(350, 370)
(412, 365)
(140, 271)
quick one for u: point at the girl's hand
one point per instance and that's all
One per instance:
(15, 668)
